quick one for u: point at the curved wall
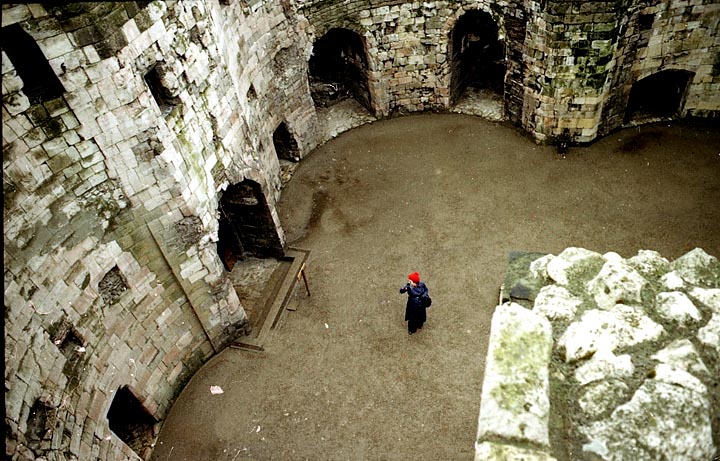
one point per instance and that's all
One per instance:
(111, 190)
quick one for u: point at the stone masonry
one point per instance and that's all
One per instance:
(124, 123)
(598, 357)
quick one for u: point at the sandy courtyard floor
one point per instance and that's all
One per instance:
(449, 196)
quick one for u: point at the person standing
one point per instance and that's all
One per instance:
(415, 314)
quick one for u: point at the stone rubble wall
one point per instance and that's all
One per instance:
(598, 357)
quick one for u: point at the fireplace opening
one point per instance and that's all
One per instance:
(246, 225)
(661, 95)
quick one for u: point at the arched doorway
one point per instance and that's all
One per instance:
(661, 95)
(339, 69)
(246, 225)
(477, 56)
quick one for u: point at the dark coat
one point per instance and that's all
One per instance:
(414, 310)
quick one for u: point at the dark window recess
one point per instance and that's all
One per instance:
(285, 146)
(251, 93)
(39, 79)
(70, 343)
(39, 424)
(163, 97)
(130, 421)
(645, 21)
(112, 285)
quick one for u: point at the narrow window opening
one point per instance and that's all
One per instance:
(162, 95)
(130, 421)
(112, 286)
(285, 146)
(645, 21)
(40, 84)
(70, 343)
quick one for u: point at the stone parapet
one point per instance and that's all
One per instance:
(631, 360)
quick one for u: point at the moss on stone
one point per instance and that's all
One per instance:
(520, 354)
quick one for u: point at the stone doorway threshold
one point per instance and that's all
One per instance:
(482, 103)
(265, 286)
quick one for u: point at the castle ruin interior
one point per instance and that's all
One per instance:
(146, 145)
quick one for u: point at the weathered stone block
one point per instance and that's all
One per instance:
(515, 401)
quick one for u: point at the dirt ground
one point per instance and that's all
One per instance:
(449, 196)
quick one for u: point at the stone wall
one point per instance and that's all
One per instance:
(120, 140)
(112, 277)
(598, 357)
(569, 65)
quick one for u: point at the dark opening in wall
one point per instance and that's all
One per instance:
(162, 95)
(40, 83)
(477, 55)
(659, 95)
(40, 422)
(251, 93)
(339, 69)
(246, 226)
(70, 343)
(285, 146)
(112, 285)
(130, 421)
(645, 21)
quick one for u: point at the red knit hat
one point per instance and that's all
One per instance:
(415, 277)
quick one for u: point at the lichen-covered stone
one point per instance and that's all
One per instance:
(672, 281)
(488, 451)
(623, 326)
(698, 268)
(708, 297)
(538, 268)
(604, 365)
(676, 307)
(571, 263)
(556, 302)
(601, 396)
(650, 264)
(616, 283)
(515, 401)
(709, 335)
(660, 418)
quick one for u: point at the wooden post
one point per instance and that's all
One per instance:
(302, 272)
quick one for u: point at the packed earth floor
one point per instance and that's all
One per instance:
(449, 196)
